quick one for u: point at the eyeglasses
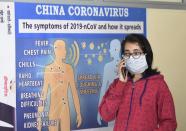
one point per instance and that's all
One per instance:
(135, 55)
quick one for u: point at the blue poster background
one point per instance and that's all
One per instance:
(93, 55)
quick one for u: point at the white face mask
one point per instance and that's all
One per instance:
(136, 66)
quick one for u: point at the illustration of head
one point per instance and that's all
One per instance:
(115, 46)
(60, 49)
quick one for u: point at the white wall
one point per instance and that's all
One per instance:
(166, 30)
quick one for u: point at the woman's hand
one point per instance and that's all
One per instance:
(123, 73)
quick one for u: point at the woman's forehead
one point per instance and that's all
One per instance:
(132, 46)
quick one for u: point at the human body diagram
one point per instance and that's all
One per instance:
(59, 77)
(109, 75)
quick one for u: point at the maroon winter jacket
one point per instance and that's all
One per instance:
(145, 105)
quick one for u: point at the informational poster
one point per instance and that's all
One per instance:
(7, 67)
(66, 56)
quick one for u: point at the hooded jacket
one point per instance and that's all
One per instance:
(144, 105)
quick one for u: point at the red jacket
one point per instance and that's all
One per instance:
(145, 105)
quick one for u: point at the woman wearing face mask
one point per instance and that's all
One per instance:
(139, 100)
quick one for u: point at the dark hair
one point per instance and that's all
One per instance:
(146, 48)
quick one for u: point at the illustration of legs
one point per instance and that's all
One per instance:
(65, 121)
(62, 114)
(53, 128)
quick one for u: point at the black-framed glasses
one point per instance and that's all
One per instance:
(135, 55)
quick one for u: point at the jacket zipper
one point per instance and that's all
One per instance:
(131, 99)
